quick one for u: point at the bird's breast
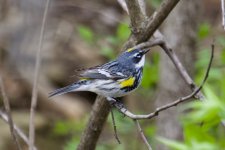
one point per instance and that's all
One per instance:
(133, 82)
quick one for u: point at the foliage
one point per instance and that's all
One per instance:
(86, 34)
(71, 130)
(203, 30)
(202, 124)
(202, 129)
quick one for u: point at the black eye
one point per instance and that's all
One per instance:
(137, 58)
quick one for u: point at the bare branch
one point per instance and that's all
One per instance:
(18, 131)
(114, 127)
(142, 5)
(142, 135)
(157, 18)
(96, 122)
(36, 75)
(150, 26)
(167, 106)
(123, 5)
(136, 15)
(8, 111)
(159, 41)
(223, 14)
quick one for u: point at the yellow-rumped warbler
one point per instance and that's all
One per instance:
(113, 79)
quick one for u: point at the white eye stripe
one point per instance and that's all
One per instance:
(140, 63)
(138, 55)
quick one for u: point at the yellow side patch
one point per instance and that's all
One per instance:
(84, 79)
(128, 82)
(130, 49)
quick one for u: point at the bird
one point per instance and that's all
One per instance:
(114, 79)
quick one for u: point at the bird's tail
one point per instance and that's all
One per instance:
(67, 89)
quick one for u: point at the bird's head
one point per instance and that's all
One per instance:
(134, 57)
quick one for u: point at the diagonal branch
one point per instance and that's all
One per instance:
(152, 24)
(18, 131)
(8, 111)
(142, 134)
(177, 63)
(114, 127)
(167, 106)
(95, 124)
(137, 15)
(157, 18)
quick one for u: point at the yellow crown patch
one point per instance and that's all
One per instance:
(130, 49)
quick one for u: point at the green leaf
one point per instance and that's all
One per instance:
(72, 144)
(173, 144)
(108, 52)
(193, 132)
(86, 34)
(203, 146)
(203, 30)
(123, 32)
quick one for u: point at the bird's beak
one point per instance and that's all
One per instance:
(146, 50)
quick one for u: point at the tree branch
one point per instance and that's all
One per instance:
(18, 131)
(161, 42)
(151, 25)
(36, 75)
(142, 134)
(8, 111)
(96, 122)
(137, 15)
(167, 106)
(114, 127)
(157, 18)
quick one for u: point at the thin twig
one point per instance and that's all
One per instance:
(36, 76)
(223, 14)
(18, 131)
(167, 106)
(8, 111)
(114, 127)
(123, 5)
(142, 134)
(160, 41)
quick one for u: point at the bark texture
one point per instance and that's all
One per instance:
(95, 124)
(180, 32)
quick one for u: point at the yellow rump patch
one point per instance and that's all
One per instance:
(128, 82)
(130, 49)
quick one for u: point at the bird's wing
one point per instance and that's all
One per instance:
(106, 71)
